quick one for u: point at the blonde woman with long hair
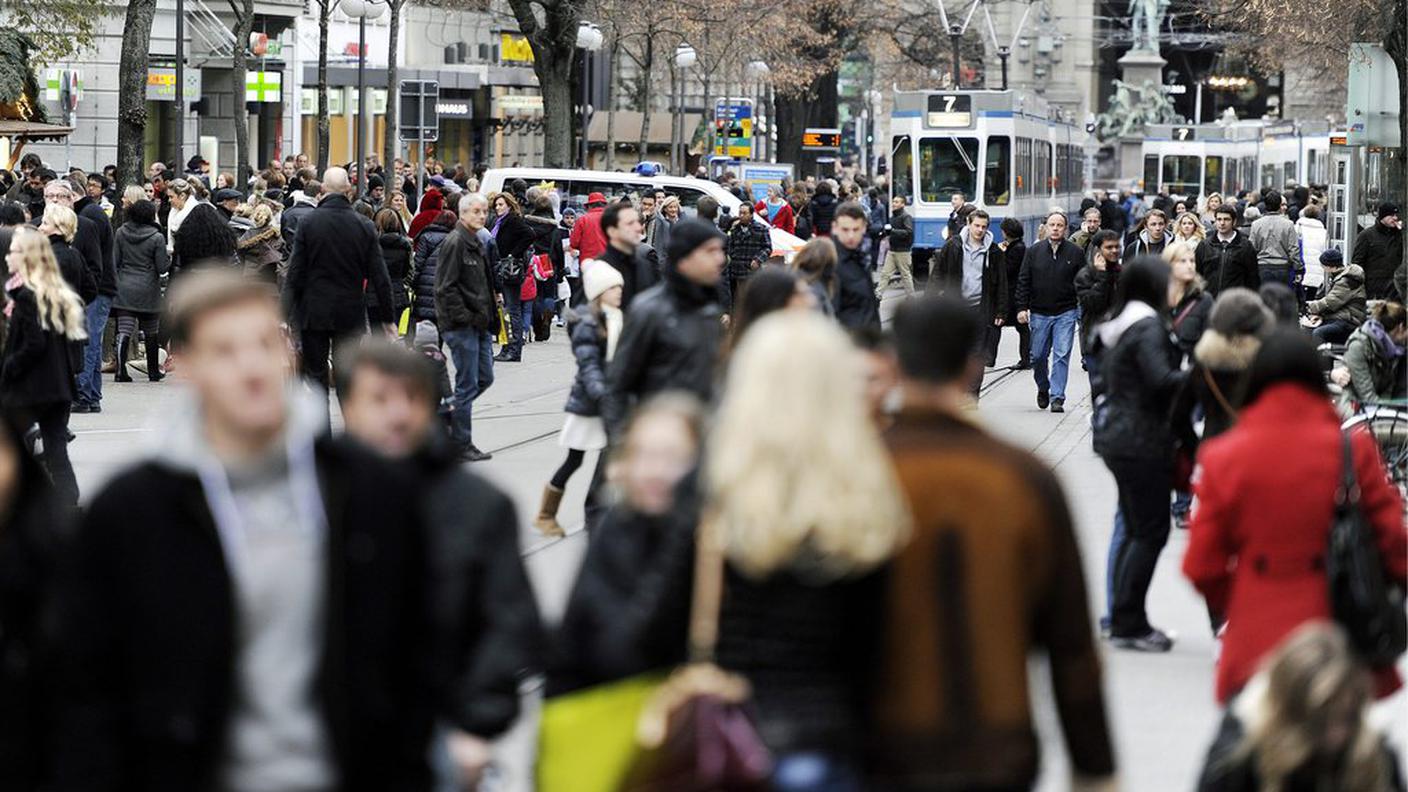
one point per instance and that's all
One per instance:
(1188, 228)
(1302, 724)
(806, 503)
(60, 225)
(38, 369)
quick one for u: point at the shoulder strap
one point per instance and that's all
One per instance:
(1177, 320)
(1217, 393)
(1347, 496)
(708, 591)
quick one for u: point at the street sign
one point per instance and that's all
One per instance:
(733, 128)
(821, 139)
(55, 81)
(419, 120)
(263, 86)
(761, 176)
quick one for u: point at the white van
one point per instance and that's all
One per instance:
(576, 185)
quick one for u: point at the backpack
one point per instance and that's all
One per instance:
(1364, 604)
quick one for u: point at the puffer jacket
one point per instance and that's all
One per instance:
(396, 252)
(261, 250)
(1190, 318)
(823, 211)
(1140, 368)
(420, 278)
(1344, 297)
(141, 261)
(1374, 371)
(589, 348)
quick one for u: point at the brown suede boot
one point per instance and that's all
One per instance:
(546, 523)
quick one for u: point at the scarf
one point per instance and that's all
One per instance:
(614, 322)
(1382, 340)
(498, 221)
(774, 208)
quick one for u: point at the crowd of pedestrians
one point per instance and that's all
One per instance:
(794, 510)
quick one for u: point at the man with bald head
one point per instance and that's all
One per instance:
(335, 257)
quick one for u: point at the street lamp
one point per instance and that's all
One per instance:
(685, 56)
(589, 38)
(361, 10)
(758, 71)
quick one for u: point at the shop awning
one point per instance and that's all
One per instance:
(31, 130)
(628, 127)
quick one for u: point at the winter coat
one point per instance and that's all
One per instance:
(784, 219)
(1225, 360)
(748, 248)
(1277, 246)
(1257, 543)
(1046, 283)
(292, 216)
(1342, 298)
(901, 233)
(1140, 370)
(1224, 265)
(431, 205)
(100, 226)
(396, 252)
(1095, 292)
(261, 250)
(809, 651)
(1142, 245)
(823, 212)
(335, 252)
(638, 272)
(1379, 250)
(422, 276)
(141, 261)
(1373, 374)
(34, 534)
(485, 616)
(657, 233)
(1313, 240)
(803, 226)
(991, 574)
(947, 275)
(515, 239)
(670, 341)
(39, 365)
(153, 588)
(1189, 318)
(855, 302)
(589, 349)
(586, 237)
(76, 274)
(1012, 262)
(464, 284)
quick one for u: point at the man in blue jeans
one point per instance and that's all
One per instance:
(1046, 300)
(466, 308)
(90, 379)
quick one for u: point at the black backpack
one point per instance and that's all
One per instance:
(1368, 608)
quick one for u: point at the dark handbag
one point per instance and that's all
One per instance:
(510, 271)
(697, 732)
(1363, 602)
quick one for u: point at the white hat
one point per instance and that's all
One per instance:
(598, 277)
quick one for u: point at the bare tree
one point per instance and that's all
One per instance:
(131, 90)
(551, 29)
(244, 23)
(393, 85)
(324, 8)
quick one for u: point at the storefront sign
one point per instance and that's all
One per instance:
(517, 104)
(453, 109)
(263, 86)
(161, 83)
(514, 48)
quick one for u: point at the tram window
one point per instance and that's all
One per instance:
(997, 171)
(1024, 167)
(947, 165)
(1181, 174)
(1312, 170)
(1268, 175)
(1212, 175)
(902, 157)
(1151, 173)
(1041, 177)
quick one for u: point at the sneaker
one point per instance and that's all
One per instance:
(1152, 641)
(1043, 399)
(84, 407)
(473, 454)
(1058, 405)
(1180, 521)
(1022, 365)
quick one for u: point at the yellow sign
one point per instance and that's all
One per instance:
(514, 48)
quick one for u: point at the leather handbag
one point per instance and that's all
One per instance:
(696, 734)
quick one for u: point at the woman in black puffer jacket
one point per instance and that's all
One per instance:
(1139, 365)
(420, 278)
(823, 209)
(396, 252)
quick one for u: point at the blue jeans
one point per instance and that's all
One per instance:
(1052, 333)
(526, 324)
(90, 379)
(1116, 542)
(473, 353)
(514, 308)
(813, 771)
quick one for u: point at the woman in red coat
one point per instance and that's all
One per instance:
(1266, 497)
(776, 211)
(430, 206)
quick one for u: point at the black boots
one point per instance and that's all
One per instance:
(154, 372)
(123, 344)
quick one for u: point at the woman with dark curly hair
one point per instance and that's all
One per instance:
(204, 238)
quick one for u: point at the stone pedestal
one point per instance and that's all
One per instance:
(1138, 66)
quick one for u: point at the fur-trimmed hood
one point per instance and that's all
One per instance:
(254, 236)
(1226, 353)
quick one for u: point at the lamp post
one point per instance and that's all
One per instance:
(758, 71)
(361, 10)
(685, 56)
(589, 38)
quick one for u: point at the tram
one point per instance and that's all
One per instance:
(1009, 154)
(1193, 161)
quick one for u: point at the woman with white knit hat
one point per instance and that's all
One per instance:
(594, 334)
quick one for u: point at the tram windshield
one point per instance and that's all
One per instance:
(948, 165)
(997, 172)
(1182, 175)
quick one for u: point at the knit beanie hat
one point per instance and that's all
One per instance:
(598, 277)
(426, 334)
(1331, 257)
(688, 236)
(1251, 213)
(1238, 312)
(1387, 209)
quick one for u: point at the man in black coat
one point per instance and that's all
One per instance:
(1046, 300)
(1226, 259)
(855, 303)
(1379, 251)
(335, 252)
(620, 222)
(488, 634)
(466, 297)
(247, 610)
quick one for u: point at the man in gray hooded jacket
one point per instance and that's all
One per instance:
(971, 267)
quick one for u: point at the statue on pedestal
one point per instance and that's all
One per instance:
(1132, 108)
(1145, 18)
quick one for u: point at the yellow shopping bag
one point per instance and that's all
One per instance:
(404, 326)
(503, 327)
(587, 738)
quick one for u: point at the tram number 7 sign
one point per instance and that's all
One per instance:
(949, 110)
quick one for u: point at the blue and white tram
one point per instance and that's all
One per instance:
(1294, 151)
(1008, 154)
(1194, 161)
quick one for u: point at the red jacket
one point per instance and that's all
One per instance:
(784, 219)
(430, 207)
(1266, 491)
(587, 238)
